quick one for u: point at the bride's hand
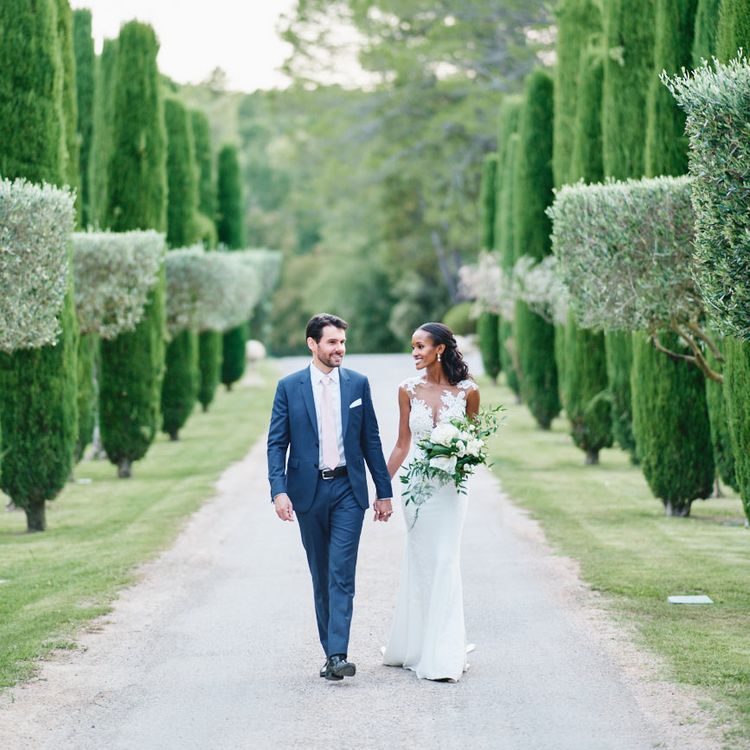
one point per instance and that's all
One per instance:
(383, 510)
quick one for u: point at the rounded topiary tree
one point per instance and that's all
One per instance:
(510, 113)
(231, 230)
(38, 416)
(534, 336)
(628, 67)
(210, 343)
(132, 364)
(180, 385)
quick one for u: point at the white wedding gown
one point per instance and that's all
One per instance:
(428, 634)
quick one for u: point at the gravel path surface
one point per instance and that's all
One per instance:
(215, 648)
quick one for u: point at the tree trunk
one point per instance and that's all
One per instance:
(229, 386)
(681, 510)
(592, 457)
(36, 519)
(174, 435)
(125, 468)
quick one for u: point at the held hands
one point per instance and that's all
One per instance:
(284, 508)
(383, 510)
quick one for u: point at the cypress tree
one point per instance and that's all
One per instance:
(210, 343)
(72, 164)
(535, 338)
(88, 345)
(132, 364)
(38, 416)
(101, 136)
(510, 113)
(231, 230)
(586, 399)
(666, 142)
(85, 59)
(665, 396)
(737, 395)
(706, 23)
(628, 69)
(180, 385)
(488, 324)
(719, 419)
(675, 447)
(733, 31)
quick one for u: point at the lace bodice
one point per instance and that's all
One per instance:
(431, 405)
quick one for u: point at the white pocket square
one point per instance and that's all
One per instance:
(358, 402)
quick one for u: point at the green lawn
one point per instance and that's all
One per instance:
(54, 581)
(605, 517)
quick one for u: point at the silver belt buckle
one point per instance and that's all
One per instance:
(326, 474)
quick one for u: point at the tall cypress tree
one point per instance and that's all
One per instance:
(535, 338)
(180, 386)
(132, 364)
(719, 419)
(38, 416)
(669, 398)
(706, 23)
(733, 31)
(210, 343)
(72, 164)
(231, 228)
(488, 323)
(83, 45)
(628, 69)
(101, 136)
(85, 59)
(587, 402)
(737, 395)
(510, 115)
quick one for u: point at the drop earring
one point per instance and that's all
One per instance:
(439, 360)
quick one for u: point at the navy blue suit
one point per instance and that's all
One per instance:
(329, 511)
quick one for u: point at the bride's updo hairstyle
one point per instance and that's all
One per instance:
(452, 360)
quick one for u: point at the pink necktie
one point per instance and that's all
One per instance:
(329, 438)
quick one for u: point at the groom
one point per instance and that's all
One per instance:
(323, 415)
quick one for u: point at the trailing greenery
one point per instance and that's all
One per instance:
(32, 136)
(101, 137)
(535, 337)
(737, 395)
(716, 101)
(85, 63)
(114, 273)
(670, 422)
(733, 32)
(35, 226)
(706, 25)
(133, 363)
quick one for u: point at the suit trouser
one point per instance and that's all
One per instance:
(330, 532)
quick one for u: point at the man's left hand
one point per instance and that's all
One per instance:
(383, 510)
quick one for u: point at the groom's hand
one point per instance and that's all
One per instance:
(284, 508)
(383, 510)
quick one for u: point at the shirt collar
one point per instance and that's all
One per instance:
(317, 375)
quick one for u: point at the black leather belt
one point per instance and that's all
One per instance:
(339, 471)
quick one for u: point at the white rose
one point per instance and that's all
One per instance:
(474, 447)
(444, 463)
(444, 434)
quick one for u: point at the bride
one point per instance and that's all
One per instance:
(428, 634)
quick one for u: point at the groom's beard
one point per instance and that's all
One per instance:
(331, 361)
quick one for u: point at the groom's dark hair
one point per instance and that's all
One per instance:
(318, 322)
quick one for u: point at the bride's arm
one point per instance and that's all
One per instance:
(403, 442)
(472, 403)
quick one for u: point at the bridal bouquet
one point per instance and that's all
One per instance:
(450, 454)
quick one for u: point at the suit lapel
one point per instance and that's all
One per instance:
(305, 382)
(344, 387)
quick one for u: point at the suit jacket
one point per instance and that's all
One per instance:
(294, 427)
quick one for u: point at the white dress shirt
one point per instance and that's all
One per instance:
(317, 376)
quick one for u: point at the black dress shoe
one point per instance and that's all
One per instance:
(324, 672)
(339, 667)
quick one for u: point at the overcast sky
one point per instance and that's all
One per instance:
(197, 36)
